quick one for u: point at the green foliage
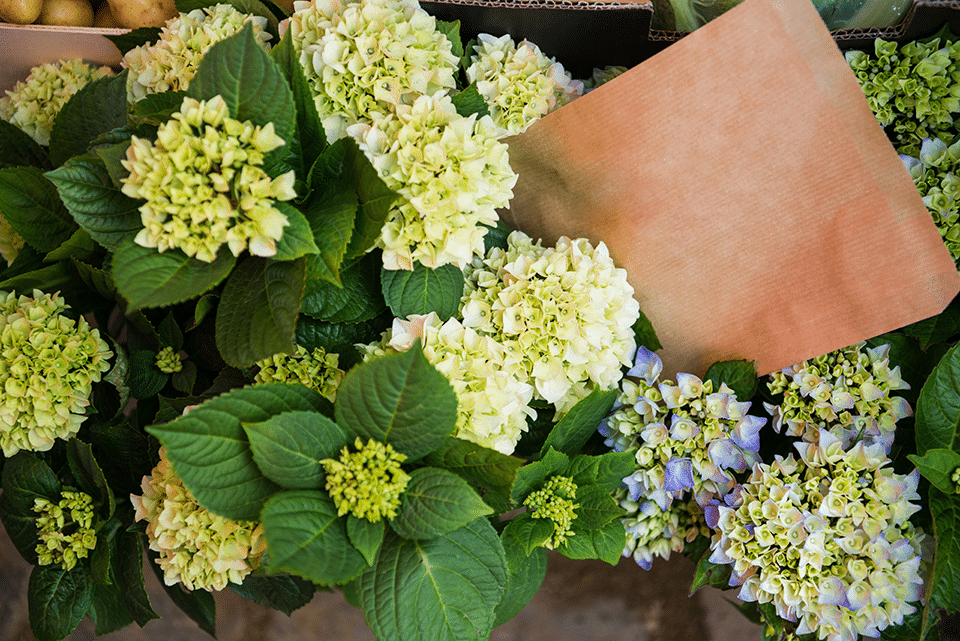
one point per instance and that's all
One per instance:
(491, 471)
(374, 196)
(145, 379)
(936, 329)
(97, 108)
(283, 593)
(297, 239)
(17, 149)
(740, 376)
(577, 426)
(127, 566)
(469, 102)
(156, 108)
(938, 410)
(366, 536)
(945, 582)
(423, 290)
(33, 208)
(339, 337)
(937, 466)
(353, 300)
(645, 335)
(712, 574)
(605, 471)
(436, 502)
(496, 236)
(89, 476)
(253, 7)
(57, 600)
(196, 604)
(527, 533)
(288, 447)
(605, 543)
(134, 38)
(451, 29)
(597, 508)
(530, 477)
(525, 574)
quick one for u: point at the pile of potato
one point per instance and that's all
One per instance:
(126, 14)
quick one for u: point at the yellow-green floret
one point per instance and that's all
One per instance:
(65, 529)
(368, 482)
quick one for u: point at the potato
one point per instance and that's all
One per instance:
(67, 13)
(19, 11)
(133, 14)
(104, 18)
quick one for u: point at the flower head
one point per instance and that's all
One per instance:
(519, 84)
(368, 482)
(204, 185)
(65, 529)
(170, 63)
(50, 362)
(364, 58)
(652, 531)
(554, 501)
(451, 173)
(602, 76)
(316, 370)
(935, 174)
(196, 547)
(34, 103)
(10, 241)
(168, 361)
(563, 314)
(847, 391)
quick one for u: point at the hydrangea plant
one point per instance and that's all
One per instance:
(65, 529)
(934, 173)
(368, 482)
(315, 369)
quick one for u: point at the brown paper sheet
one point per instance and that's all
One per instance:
(741, 179)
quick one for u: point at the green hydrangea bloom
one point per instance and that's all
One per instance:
(316, 370)
(492, 404)
(50, 363)
(827, 538)
(367, 483)
(564, 314)
(847, 391)
(518, 82)
(366, 57)
(914, 90)
(554, 501)
(10, 241)
(204, 185)
(196, 547)
(65, 529)
(451, 173)
(602, 76)
(955, 478)
(168, 361)
(652, 531)
(34, 103)
(171, 62)
(935, 174)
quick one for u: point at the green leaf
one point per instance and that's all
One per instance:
(444, 589)
(209, 449)
(51, 278)
(469, 102)
(283, 593)
(496, 237)
(937, 466)
(524, 577)
(399, 399)
(79, 246)
(97, 108)
(18, 149)
(21, 529)
(910, 629)
(156, 108)
(196, 604)
(128, 566)
(106, 213)
(32, 206)
(288, 447)
(423, 290)
(605, 471)
(311, 139)
(375, 198)
(89, 476)
(258, 310)
(340, 338)
(944, 590)
(580, 423)
(527, 532)
(355, 300)
(531, 477)
(645, 335)
(112, 158)
(135, 38)
(937, 329)
(308, 539)
(96, 279)
(597, 508)
(451, 29)
(57, 600)
(938, 410)
(250, 82)
(297, 239)
(707, 573)
(148, 278)
(487, 469)
(108, 611)
(606, 543)
(740, 376)
(26, 478)
(366, 536)
(436, 502)
(145, 379)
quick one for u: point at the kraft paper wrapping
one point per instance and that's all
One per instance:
(742, 181)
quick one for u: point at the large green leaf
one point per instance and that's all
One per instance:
(708, 573)
(32, 206)
(469, 102)
(487, 469)
(134, 38)
(21, 529)
(375, 200)
(531, 477)
(604, 471)
(356, 299)
(436, 502)
(399, 399)
(580, 423)
(97, 108)
(444, 589)
(944, 590)
(341, 338)
(17, 149)
(740, 376)
(209, 449)
(938, 467)
(148, 278)
(284, 593)
(57, 601)
(938, 410)
(288, 447)
(128, 566)
(51, 278)
(89, 476)
(524, 577)
(196, 604)
(106, 213)
(297, 239)
(366, 536)
(423, 290)
(311, 138)
(937, 329)
(258, 310)
(605, 543)
(307, 538)
(156, 108)
(597, 508)
(527, 533)
(645, 334)
(27, 478)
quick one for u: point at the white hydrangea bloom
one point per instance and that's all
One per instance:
(366, 57)
(492, 404)
(34, 103)
(827, 538)
(50, 362)
(518, 82)
(563, 314)
(221, 195)
(197, 548)
(170, 63)
(451, 173)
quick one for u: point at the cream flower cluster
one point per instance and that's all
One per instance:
(826, 538)
(602, 76)
(50, 363)
(935, 175)
(170, 63)
(451, 173)
(197, 548)
(492, 404)
(366, 57)
(204, 185)
(554, 501)
(366, 483)
(563, 314)
(847, 391)
(65, 529)
(652, 531)
(518, 82)
(34, 103)
(317, 370)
